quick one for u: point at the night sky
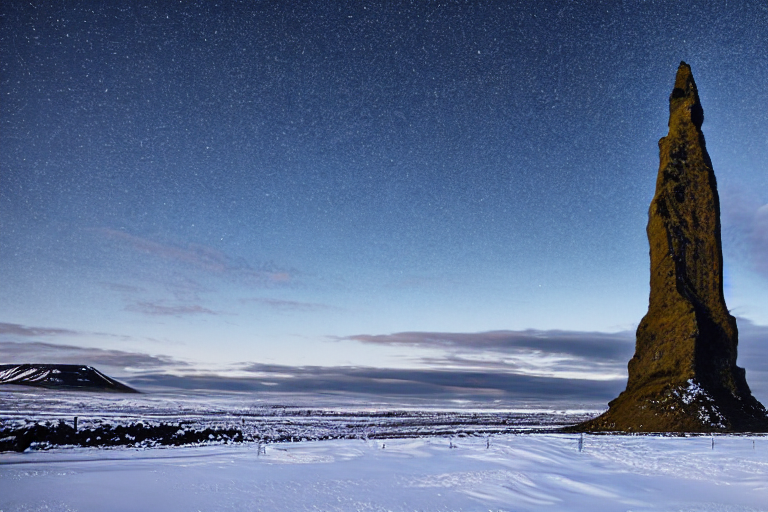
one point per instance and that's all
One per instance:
(355, 184)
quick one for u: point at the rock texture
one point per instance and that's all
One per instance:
(683, 376)
(71, 377)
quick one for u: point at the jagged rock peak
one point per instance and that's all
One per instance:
(683, 376)
(684, 100)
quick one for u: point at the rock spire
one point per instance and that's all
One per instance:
(683, 376)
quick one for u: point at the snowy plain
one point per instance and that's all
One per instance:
(381, 457)
(517, 472)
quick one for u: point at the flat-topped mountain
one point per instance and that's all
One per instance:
(60, 376)
(683, 376)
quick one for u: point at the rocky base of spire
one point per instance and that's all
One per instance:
(680, 407)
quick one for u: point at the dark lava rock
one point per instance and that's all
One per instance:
(136, 434)
(683, 376)
(60, 376)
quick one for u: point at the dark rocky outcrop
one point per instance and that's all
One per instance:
(71, 377)
(683, 376)
(51, 435)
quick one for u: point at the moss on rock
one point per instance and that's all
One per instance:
(683, 376)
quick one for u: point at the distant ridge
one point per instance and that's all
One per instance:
(61, 376)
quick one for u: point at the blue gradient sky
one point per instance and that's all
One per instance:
(266, 184)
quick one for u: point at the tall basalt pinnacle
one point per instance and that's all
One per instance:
(683, 376)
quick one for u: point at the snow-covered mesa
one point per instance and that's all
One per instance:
(499, 473)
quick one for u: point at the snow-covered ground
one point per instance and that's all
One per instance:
(515, 473)
(382, 456)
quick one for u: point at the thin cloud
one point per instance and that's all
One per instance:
(745, 228)
(557, 367)
(203, 258)
(588, 345)
(286, 305)
(23, 330)
(38, 352)
(159, 309)
(759, 240)
(123, 288)
(183, 288)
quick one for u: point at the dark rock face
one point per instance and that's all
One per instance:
(683, 376)
(60, 376)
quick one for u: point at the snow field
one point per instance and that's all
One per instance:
(516, 473)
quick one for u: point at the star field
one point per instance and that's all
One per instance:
(262, 182)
